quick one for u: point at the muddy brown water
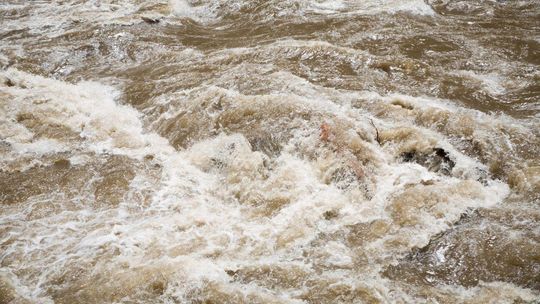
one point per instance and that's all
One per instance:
(270, 151)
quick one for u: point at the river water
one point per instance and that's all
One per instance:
(270, 151)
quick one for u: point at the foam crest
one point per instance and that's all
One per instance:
(257, 154)
(49, 116)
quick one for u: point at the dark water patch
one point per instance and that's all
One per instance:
(482, 247)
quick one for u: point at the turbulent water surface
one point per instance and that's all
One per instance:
(270, 151)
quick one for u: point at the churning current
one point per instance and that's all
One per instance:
(269, 151)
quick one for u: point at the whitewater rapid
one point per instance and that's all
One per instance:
(229, 152)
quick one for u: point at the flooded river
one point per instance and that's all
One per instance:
(270, 151)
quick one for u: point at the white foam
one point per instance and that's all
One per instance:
(419, 7)
(53, 20)
(181, 8)
(492, 83)
(326, 7)
(87, 108)
(216, 9)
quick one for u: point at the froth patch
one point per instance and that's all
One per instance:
(393, 6)
(217, 9)
(182, 8)
(48, 110)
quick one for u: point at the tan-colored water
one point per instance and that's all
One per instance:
(376, 151)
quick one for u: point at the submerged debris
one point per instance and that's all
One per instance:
(9, 82)
(376, 132)
(330, 214)
(150, 20)
(326, 133)
(438, 160)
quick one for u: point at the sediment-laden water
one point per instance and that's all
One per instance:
(297, 151)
